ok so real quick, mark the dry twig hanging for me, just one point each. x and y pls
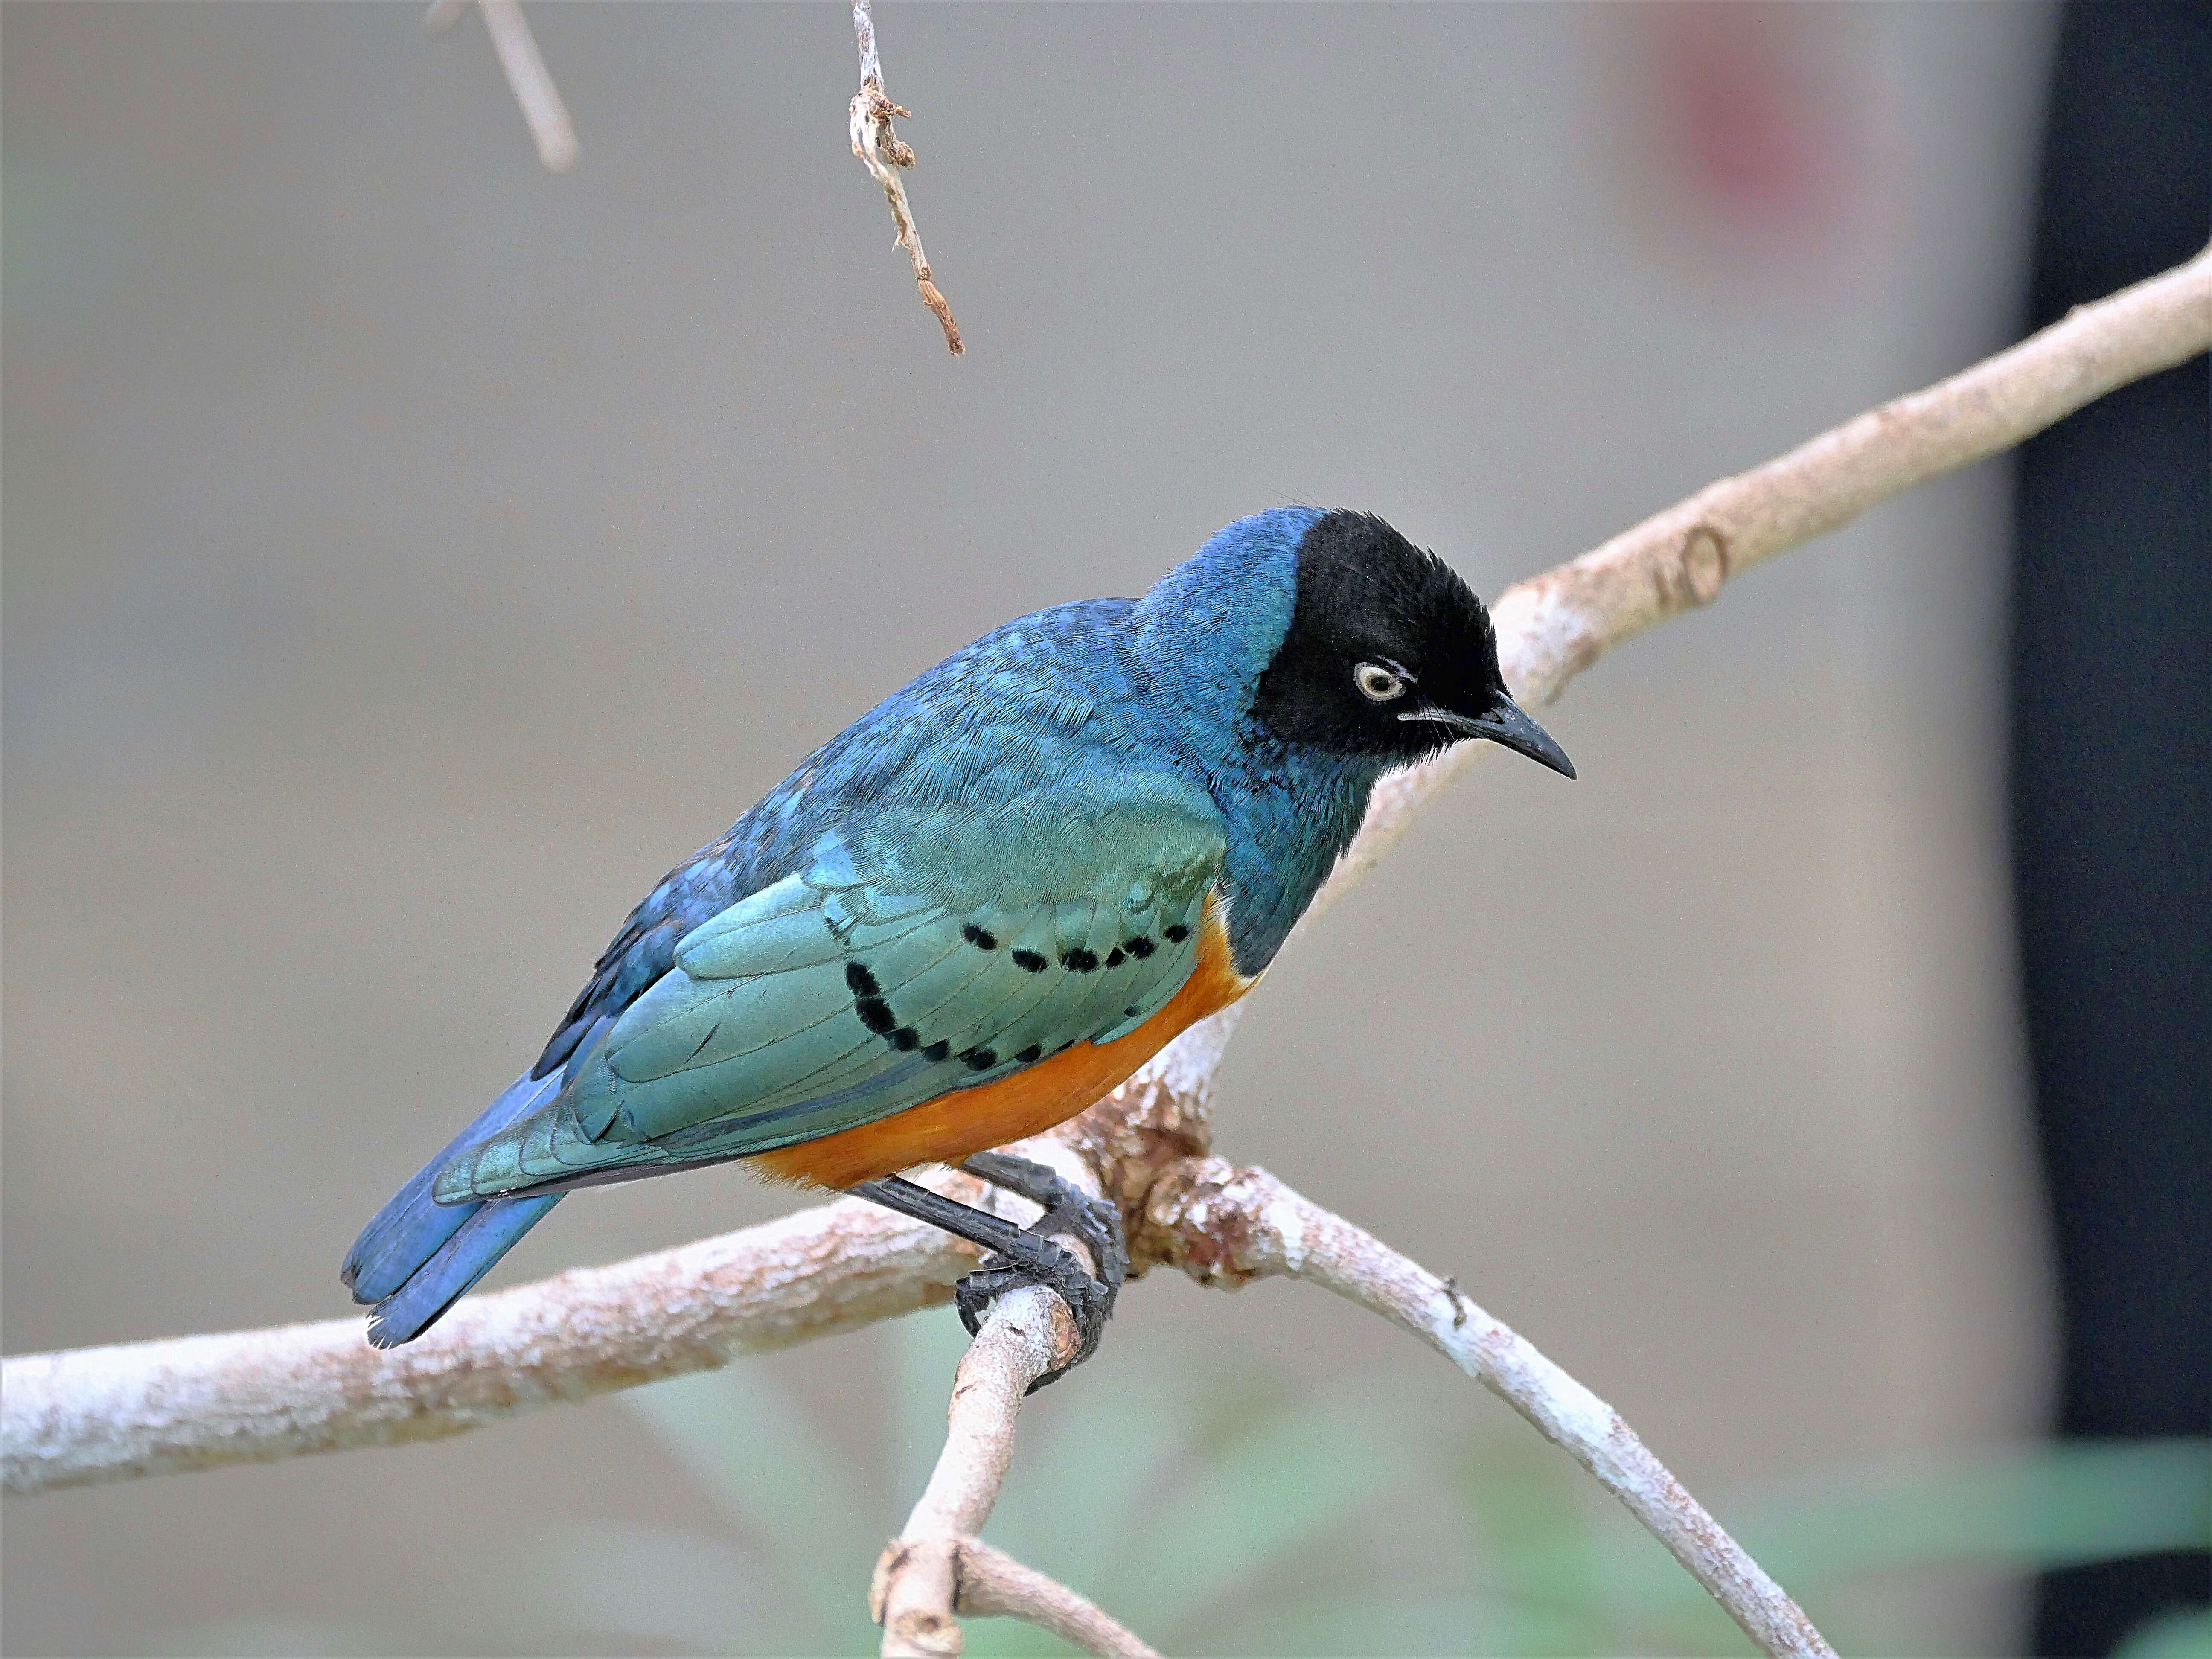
(880, 149)
(885, 154)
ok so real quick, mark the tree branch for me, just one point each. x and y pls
(939, 1566)
(917, 1580)
(90, 1415)
(885, 153)
(1225, 1226)
(1551, 627)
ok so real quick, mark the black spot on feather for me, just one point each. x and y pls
(1028, 962)
(1032, 1053)
(980, 1059)
(1117, 959)
(1176, 934)
(905, 1038)
(982, 938)
(937, 1051)
(1079, 960)
(1141, 946)
(859, 982)
(876, 1014)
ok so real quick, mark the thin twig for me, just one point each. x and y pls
(527, 77)
(993, 1583)
(1225, 1226)
(91, 1415)
(885, 154)
(195, 1402)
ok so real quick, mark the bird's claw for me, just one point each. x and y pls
(1088, 1300)
(1037, 1259)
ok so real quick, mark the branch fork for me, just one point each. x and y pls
(938, 1567)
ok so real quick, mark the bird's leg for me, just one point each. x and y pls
(1068, 1210)
(1018, 1257)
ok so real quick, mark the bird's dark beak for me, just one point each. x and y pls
(1504, 724)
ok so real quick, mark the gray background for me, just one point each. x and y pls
(410, 555)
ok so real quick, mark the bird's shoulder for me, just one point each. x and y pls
(1034, 694)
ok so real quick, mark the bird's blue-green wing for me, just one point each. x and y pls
(927, 949)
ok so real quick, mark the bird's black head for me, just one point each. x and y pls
(1388, 654)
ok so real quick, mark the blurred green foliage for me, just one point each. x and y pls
(1215, 1515)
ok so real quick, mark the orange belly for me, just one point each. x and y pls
(951, 1127)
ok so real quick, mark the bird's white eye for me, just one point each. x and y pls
(1377, 683)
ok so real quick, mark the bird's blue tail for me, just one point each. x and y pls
(418, 1257)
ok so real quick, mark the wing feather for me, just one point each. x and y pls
(861, 986)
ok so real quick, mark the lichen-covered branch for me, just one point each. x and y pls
(883, 152)
(1225, 1226)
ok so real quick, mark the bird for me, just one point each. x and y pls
(981, 907)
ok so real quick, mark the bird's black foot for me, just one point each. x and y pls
(1068, 1211)
(1095, 1222)
(1025, 1255)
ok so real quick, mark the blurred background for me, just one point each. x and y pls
(411, 553)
